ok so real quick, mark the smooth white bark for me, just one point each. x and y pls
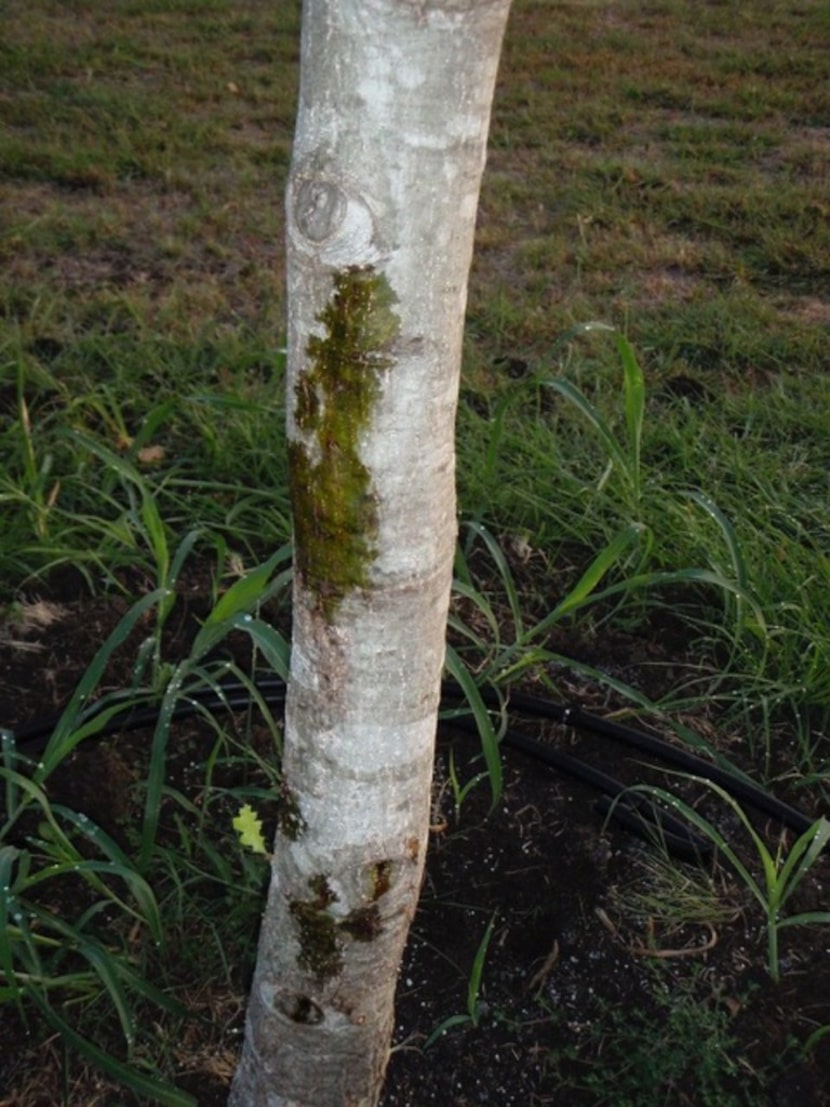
(390, 145)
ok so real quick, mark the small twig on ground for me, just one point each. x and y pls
(539, 978)
(640, 950)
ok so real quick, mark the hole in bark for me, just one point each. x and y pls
(300, 1009)
(380, 879)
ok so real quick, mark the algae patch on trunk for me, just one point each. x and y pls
(333, 503)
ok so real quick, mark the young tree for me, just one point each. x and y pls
(389, 150)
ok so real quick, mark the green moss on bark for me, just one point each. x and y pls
(334, 506)
(320, 947)
(363, 924)
(321, 934)
(289, 816)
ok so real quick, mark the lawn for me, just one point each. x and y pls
(644, 534)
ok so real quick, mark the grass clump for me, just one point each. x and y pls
(682, 1046)
(102, 925)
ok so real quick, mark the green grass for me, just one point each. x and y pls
(759, 456)
(131, 922)
(691, 171)
(658, 167)
(782, 871)
(640, 1058)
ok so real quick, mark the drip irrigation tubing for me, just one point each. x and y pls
(738, 785)
(630, 810)
(634, 812)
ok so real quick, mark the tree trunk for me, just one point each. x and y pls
(391, 135)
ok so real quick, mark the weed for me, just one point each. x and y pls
(44, 955)
(51, 962)
(782, 870)
(628, 554)
(625, 457)
(641, 1058)
(476, 1008)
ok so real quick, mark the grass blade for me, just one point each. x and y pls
(474, 984)
(274, 647)
(105, 969)
(8, 858)
(582, 591)
(120, 866)
(587, 409)
(245, 593)
(58, 745)
(729, 535)
(486, 731)
(504, 571)
(635, 403)
(144, 1086)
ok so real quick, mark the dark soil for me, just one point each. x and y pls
(611, 977)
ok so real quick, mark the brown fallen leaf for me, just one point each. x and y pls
(149, 454)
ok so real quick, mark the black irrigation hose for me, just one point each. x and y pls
(738, 786)
(634, 812)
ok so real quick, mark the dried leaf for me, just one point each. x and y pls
(149, 454)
